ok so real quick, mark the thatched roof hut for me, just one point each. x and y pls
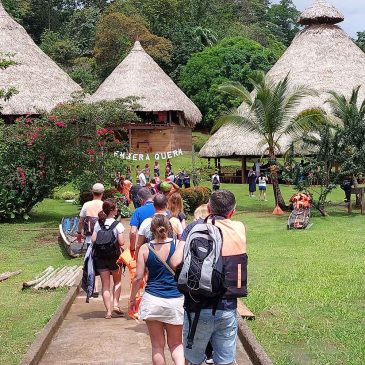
(139, 75)
(322, 56)
(40, 83)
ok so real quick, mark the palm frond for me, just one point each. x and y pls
(237, 90)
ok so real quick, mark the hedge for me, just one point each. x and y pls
(195, 196)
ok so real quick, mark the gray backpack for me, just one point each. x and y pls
(202, 276)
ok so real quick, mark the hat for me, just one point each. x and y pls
(98, 188)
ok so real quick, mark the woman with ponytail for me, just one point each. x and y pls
(105, 257)
(162, 303)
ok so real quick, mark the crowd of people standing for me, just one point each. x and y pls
(159, 240)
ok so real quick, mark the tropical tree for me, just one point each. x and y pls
(271, 111)
(349, 115)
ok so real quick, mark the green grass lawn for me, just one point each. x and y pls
(31, 249)
(305, 287)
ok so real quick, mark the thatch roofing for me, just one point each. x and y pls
(322, 57)
(40, 83)
(139, 75)
(321, 12)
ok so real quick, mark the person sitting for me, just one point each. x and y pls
(162, 304)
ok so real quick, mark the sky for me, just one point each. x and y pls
(353, 10)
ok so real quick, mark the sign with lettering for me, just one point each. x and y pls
(148, 156)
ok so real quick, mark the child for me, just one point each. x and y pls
(262, 186)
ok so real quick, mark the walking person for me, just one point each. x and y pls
(107, 245)
(142, 178)
(217, 319)
(262, 186)
(175, 206)
(146, 210)
(156, 169)
(147, 172)
(162, 304)
(252, 178)
(89, 214)
(133, 193)
(216, 182)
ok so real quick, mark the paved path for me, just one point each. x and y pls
(85, 337)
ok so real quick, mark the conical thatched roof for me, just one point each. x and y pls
(40, 83)
(139, 75)
(322, 57)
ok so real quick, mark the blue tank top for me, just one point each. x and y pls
(160, 282)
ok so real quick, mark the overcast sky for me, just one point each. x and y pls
(353, 10)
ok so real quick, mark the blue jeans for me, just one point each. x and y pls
(220, 329)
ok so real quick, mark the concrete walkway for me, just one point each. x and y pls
(85, 337)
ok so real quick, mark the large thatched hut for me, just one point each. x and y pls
(40, 83)
(323, 57)
(168, 115)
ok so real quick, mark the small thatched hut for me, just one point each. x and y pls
(323, 57)
(168, 114)
(40, 83)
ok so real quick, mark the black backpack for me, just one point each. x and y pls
(106, 242)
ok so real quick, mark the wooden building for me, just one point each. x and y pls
(167, 114)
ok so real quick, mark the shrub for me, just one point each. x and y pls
(195, 196)
(68, 195)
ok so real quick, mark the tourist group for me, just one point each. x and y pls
(190, 274)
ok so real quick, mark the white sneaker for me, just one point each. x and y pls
(209, 361)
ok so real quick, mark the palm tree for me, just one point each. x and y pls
(349, 116)
(271, 112)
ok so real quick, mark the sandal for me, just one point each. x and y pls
(108, 316)
(118, 311)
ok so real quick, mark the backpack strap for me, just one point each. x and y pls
(112, 226)
(193, 324)
(168, 267)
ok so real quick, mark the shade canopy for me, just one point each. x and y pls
(139, 75)
(322, 57)
(40, 82)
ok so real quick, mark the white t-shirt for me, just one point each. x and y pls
(215, 177)
(119, 229)
(142, 179)
(145, 228)
(262, 181)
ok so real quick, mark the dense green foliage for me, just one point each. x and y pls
(195, 197)
(231, 59)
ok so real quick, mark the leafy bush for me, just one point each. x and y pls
(195, 196)
(68, 195)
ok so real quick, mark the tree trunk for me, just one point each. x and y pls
(279, 200)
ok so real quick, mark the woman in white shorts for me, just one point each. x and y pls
(162, 303)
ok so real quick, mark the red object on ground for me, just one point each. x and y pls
(277, 211)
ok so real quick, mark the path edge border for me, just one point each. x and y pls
(39, 346)
(254, 350)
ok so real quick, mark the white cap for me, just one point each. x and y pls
(98, 188)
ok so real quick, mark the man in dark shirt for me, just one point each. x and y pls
(134, 195)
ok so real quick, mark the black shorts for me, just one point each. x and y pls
(106, 264)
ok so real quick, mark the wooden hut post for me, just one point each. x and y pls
(243, 168)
